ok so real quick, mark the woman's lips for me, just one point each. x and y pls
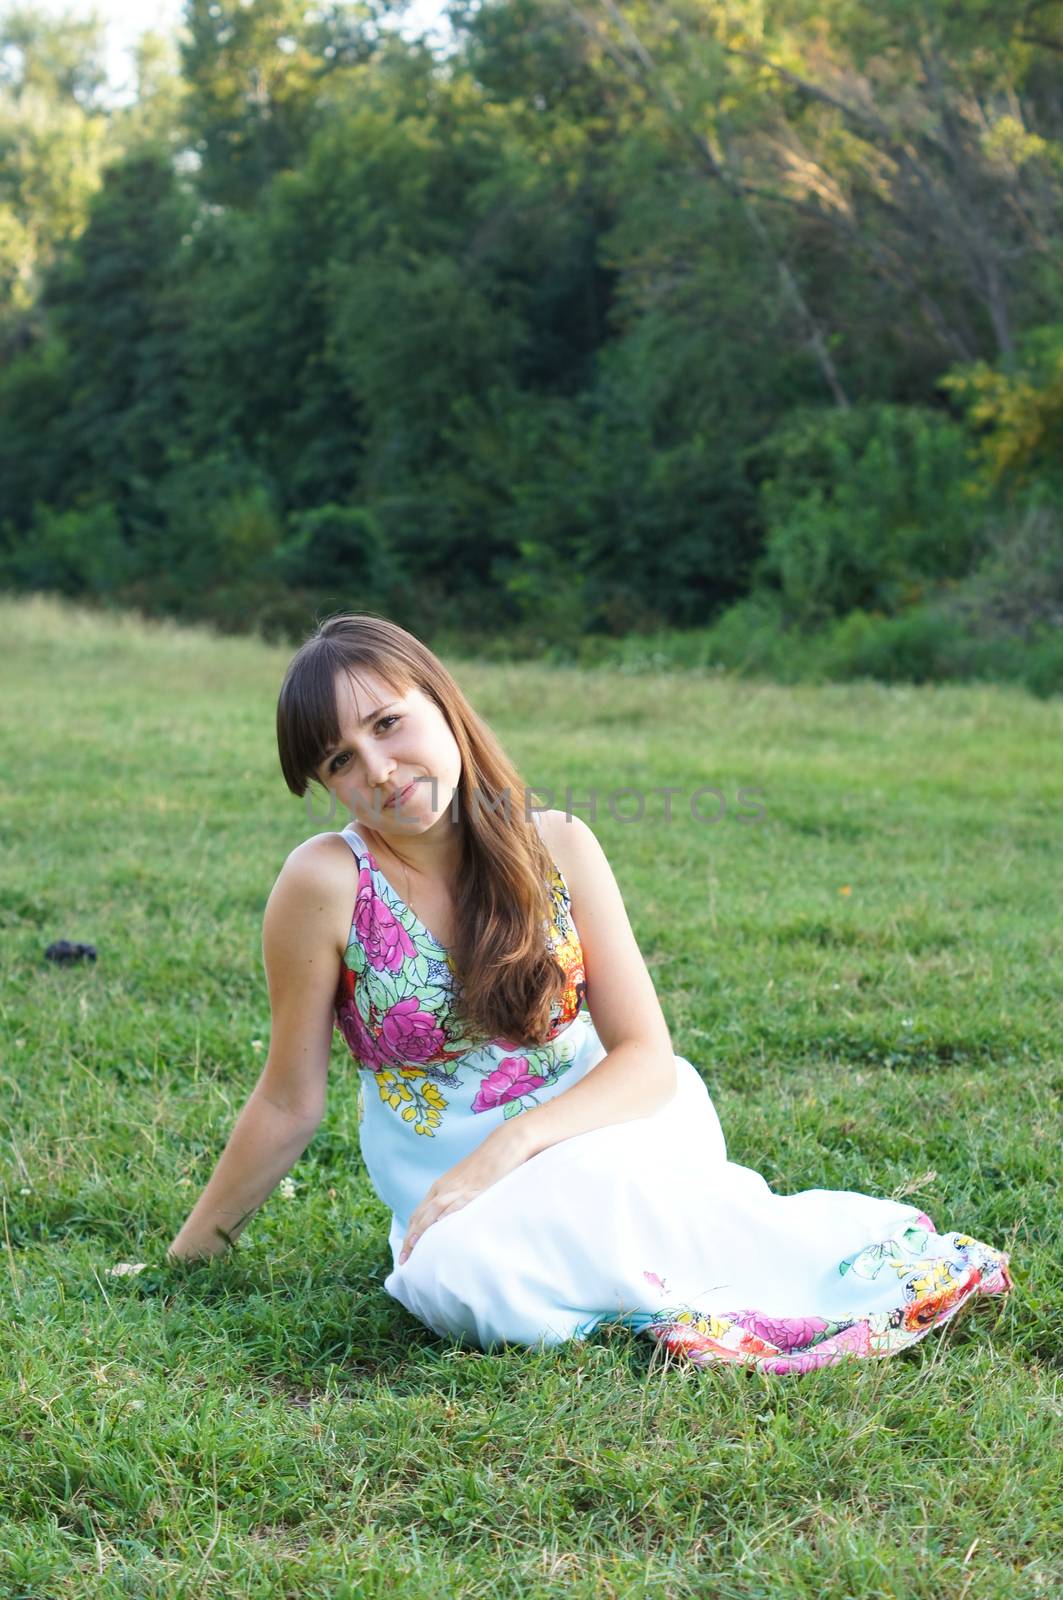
(397, 799)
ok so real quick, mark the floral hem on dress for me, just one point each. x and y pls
(939, 1274)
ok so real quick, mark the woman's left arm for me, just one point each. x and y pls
(637, 1074)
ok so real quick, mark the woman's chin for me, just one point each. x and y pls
(392, 820)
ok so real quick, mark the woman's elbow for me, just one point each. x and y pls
(305, 1110)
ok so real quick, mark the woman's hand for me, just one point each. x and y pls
(502, 1151)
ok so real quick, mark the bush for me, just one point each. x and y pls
(1017, 589)
(925, 645)
(337, 545)
(1043, 663)
(920, 647)
(75, 552)
(551, 597)
(752, 636)
(928, 645)
(864, 510)
(205, 525)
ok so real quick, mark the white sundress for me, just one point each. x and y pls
(643, 1222)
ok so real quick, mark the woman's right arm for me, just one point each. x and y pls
(306, 920)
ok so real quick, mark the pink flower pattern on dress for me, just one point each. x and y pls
(394, 1007)
(409, 1033)
(383, 938)
(357, 1036)
(510, 1079)
(786, 1333)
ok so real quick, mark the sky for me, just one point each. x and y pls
(127, 19)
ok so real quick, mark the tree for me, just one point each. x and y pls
(53, 136)
(115, 301)
(255, 84)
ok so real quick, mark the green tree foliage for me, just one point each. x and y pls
(52, 141)
(618, 316)
(257, 79)
(1018, 412)
(116, 305)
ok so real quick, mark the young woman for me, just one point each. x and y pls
(549, 1162)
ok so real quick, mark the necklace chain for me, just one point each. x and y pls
(405, 874)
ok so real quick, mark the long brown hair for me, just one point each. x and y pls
(506, 979)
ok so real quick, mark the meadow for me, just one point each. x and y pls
(867, 979)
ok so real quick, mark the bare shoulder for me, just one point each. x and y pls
(317, 884)
(323, 861)
(577, 850)
(321, 848)
(571, 843)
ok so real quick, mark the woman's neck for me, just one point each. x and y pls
(434, 855)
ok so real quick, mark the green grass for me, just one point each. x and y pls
(274, 1424)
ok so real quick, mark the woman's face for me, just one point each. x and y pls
(392, 743)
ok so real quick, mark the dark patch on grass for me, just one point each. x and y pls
(853, 1049)
(842, 830)
(852, 936)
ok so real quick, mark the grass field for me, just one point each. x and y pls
(868, 981)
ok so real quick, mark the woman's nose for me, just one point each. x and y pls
(378, 769)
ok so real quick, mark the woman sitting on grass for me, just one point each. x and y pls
(549, 1162)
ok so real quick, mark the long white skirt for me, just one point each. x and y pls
(648, 1223)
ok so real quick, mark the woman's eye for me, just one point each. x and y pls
(334, 764)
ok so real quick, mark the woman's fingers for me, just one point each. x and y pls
(419, 1225)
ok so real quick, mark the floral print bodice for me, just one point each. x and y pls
(425, 1080)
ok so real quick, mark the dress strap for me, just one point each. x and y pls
(355, 840)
